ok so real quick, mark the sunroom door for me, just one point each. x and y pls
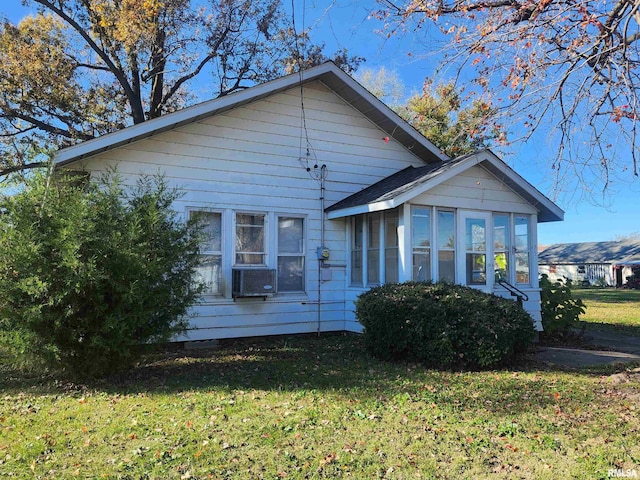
(475, 267)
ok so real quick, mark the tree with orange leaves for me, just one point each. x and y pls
(82, 68)
(567, 66)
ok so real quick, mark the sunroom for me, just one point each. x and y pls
(471, 221)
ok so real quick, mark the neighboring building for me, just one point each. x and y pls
(313, 191)
(595, 263)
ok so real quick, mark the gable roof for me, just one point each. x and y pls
(591, 252)
(338, 81)
(406, 184)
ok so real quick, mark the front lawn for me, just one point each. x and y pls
(611, 308)
(307, 407)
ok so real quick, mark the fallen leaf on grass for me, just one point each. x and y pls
(328, 459)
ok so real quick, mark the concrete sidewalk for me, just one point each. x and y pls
(616, 348)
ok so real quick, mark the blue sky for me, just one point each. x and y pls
(346, 23)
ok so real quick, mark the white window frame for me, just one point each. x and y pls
(528, 251)
(265, 240)
(430, 249)
(460, 272)
(303, 254)
(191, 211)
(438, 248)
(380, 265)
(508, 248)
(386, 248)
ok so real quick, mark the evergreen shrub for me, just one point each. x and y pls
(90, 273)
(443, 325)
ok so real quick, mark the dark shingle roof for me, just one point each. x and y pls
(591, 252)
(395, 185)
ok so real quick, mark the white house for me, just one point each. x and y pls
(597, 263)
(313, 191)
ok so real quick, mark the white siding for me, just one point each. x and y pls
(254, 158)
(475, 189)
(594, 273)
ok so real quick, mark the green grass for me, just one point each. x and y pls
(611, 309)
(307, 407)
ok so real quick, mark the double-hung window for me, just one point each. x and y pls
(209, 272)
(291, 254)
(250, 239)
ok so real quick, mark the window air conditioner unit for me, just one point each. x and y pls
(253, 282)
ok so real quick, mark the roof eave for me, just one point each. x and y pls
(547, 210)
(341, 83)
(365, 208)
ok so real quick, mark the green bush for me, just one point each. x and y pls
(442, 325)
(90, 274)
(560, 310)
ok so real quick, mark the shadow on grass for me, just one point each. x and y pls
(608, 295)
(625, 329)
(334, 363)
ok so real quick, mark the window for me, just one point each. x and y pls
(210, 270)
(356, 250)
(291, 254)
(373, 249)
(522, 250)
(391, 246)
(501, 244)
(582, 269)
(421, 242)
(476, 250)
(380, 262)
(250, 239)
(446, 247)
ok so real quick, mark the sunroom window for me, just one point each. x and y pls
(446, 246)
(357, 241)
(522, 250)
(501, 247)
(391, 246)
(374, 248)
(421, 242)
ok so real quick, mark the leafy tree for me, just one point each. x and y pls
(83, 68)
(440, 112)
(559, 308)
(90, 273)
(384, 84)
(551, 64)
